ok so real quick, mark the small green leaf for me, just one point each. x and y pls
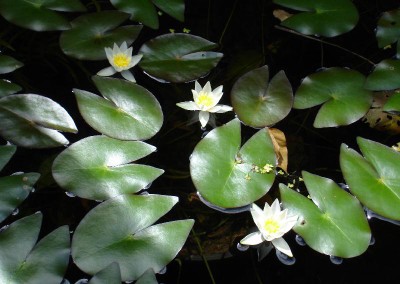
(30, 120)
(225, 174)
(91, 33)
(39, 15)
(174, 8)
(127, 112)
(385, 76)
(99, 168)
(6, 152)
(321, 17)
(393, 103)
(24, 262)
(259, 103)
(14, 190)
(333, 223)
(132, 241)
(375, 178)
(8, 64)
(142, 11)
(109, 275)
(388, 30)
(8, 88)
(342, 93)
(178, 57)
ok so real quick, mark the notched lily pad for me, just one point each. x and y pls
(388, 30)
(178, 57)
(91, 33)
(385, 76)
(8, 64)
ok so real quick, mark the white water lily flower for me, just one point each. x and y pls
(121, 60)
(205, 101)
(272, 224)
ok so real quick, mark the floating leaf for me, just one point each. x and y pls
(333, 223)
(385, 76)
(91, 33)
(321, 17)
(388, 30)
(147, 278)
(109, 275)
(375, 178)
(342, 92)
(14, 190)
(131, 241)
(259, 103)
(178, 57)
(21, 261)
(6, 152)
(98, 168)
(393, 103)
(8, 88)
(39, 15)
(8, 64)
(128, 112)
(30, 120)
(229, 176)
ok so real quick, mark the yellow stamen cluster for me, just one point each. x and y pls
(271, 226)
(204, 99)
(121, 60)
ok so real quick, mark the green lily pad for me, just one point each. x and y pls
(98, 167)
(388, 30)
(6, 152)
(258, 103)
(342, 93)
(393, 103)
(145, 12)
(91, 33)
(109, 275)
(375, 178)
(333, 223)
(321, 17)
(8, 64)
(24, 262)
(8, 88)
(223, 172)
(178, 57)
(14, 190)
(132, 241)
(385, 76)
(127, 112)
(40, 15)
(30, 120)
(147, 278)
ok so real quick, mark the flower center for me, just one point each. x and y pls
(271, 226)
(205, 100)
(121, 60)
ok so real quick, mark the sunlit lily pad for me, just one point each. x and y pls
(388, 30)
(333, 223)
(324, 17)
(259, 103)
(393, 103)
(132, 240)
(99, 167)
(109, 275)
(33, 121)
(375, 178)
(147, 278)
(91, 33)
(342, 93)
(385, 76)
(8, 88)
(128, 111)
(24, 261)
(8, 64)
(146, 13)
(227, 175)
(40, 15)
(178, 57)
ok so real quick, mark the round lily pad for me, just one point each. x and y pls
(259, 103)
(91, 33)
(230, 176)
(388, 30)
(385, 76)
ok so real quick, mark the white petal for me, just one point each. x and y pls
(195, 94)
(220, 108)
(203, 118)
(135, 60)
(252, 239)
(276, 208)
(123, 47)
(258, 216)
(197, 87)
(109, 53)
(115, 48)
(207, 88)
(107, 71)
(128, 52)
(128, 76)
(218, 89)
(188, 105)
(281, 245)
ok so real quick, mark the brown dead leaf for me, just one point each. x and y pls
(281, 14)
(279, 141)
